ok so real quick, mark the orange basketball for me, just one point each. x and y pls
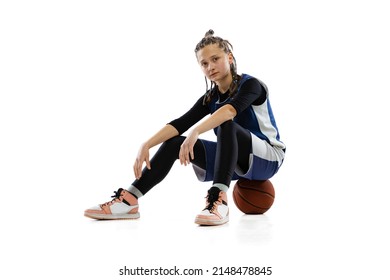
(253, 197)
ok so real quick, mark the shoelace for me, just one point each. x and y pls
(212, 198)
(116, 196)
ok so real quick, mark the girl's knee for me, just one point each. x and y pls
(227, 127)
(173, 144)
(227, 124)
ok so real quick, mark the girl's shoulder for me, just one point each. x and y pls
(246, 77)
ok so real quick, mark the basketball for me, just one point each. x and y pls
(253, 197)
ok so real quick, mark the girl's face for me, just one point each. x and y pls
(215, 63)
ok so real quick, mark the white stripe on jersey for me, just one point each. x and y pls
(266, 127)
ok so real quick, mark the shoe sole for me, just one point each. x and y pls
(112, 217)
(206, 222)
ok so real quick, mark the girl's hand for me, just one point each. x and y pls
(186, 153)
(143, 156)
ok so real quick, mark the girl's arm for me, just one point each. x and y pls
(165, 133)
(174, 128)
(223, 114)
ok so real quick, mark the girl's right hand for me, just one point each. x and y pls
(143, 156)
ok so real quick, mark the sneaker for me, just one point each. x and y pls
(216, 211)
(123, 206)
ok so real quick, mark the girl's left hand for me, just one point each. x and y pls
(186, 153)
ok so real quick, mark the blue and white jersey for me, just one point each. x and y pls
(258, 119)
(254, 113)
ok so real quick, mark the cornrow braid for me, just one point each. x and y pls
(224, 45)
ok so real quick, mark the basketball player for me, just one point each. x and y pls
(247, 139)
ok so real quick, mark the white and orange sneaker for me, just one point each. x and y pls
(216, 211)
(123, 206)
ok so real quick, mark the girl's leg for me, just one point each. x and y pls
(234, 144)
(124, 204)
(233, 148)
(162, 162)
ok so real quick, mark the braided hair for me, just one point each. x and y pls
(224, 45)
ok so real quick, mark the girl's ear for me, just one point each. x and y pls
(231, 58)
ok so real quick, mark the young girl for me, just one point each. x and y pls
(247, 145)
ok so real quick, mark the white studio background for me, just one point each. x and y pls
(83, 83)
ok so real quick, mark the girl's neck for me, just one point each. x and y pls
(224, 85)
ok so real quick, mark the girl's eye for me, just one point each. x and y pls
(215, 59)
(204, 64)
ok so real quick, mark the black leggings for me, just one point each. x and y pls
(234, 145)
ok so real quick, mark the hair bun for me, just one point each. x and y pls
(209, 33)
